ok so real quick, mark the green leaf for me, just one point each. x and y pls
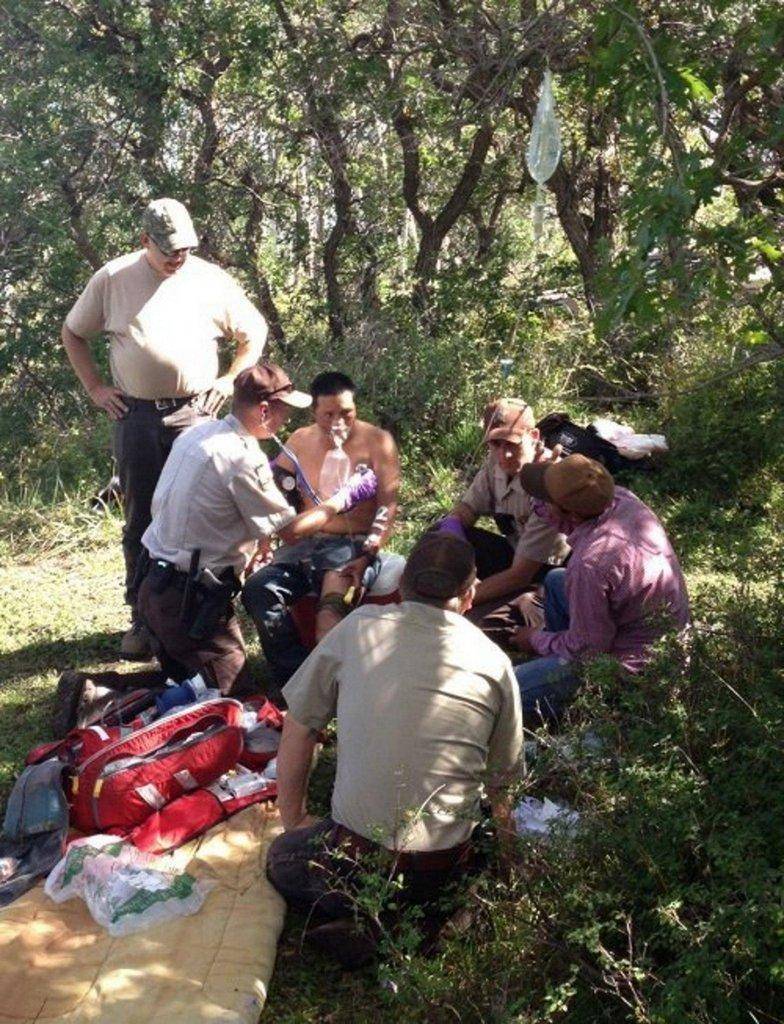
(755, 337)
(699, 90)
(765, 248)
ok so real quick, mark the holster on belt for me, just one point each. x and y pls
(188, 605)
(212, 603)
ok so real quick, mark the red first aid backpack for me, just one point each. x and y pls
(117, 779)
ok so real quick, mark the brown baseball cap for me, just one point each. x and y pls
(266, 381)
(440, 567)
(169, 225)
(508, 419)
(575, 484)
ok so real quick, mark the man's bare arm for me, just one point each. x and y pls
(295, 756)
(294, 443)
(247, 354)
(464, 513)
(310, 521)
(104, 396)
(359, 487)
(387, 466)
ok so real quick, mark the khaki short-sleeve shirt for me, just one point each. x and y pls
(216, 493)
(428, 711)
(493, 492)
(164, 331)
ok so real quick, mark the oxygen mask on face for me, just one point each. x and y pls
(336, 467)
(339, 434)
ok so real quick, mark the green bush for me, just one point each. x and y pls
(666, 907)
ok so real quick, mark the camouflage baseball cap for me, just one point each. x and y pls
(169, 225)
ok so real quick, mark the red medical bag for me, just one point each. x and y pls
(126, 778)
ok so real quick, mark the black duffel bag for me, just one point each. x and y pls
(558, 428)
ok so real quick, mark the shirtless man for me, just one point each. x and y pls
(343, 555)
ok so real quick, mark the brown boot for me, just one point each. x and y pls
(135, 644)
(70, 687)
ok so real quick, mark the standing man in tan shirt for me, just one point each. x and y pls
(164, 310)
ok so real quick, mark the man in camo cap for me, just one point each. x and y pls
(164, 311)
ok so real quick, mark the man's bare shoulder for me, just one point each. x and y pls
(303, 438)
(376, 436)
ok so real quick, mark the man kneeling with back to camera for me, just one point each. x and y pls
(215, 499)
(428, 714)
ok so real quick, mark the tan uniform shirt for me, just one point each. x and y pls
(492, 491)
(215, 493)
(164, 331)
(426, 708)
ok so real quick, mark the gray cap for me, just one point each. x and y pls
(440, 566)
(169, 225)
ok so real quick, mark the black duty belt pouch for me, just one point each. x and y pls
(211, 605)
(160, 575)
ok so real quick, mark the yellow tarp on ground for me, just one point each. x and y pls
(56, 964)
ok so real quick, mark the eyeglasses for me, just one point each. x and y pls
(173, 252)
(285, 390)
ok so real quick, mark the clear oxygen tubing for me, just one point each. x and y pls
(298, 470)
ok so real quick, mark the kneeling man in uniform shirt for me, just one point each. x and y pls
(215, 500)
(428, 720)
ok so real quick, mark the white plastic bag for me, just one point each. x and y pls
(629, 444)
(544, 147)
(538, 817)
(125, 889)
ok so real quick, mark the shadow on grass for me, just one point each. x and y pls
(57, 655)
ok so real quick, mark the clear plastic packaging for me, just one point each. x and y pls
(534, 817)
(544, 147)
(336, 467)
(243, 782)
(125, 889)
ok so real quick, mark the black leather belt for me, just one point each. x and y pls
(164, 404)
(170, 575)
(459, 856)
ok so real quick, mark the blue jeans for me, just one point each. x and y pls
(297, 570)
(546, 684)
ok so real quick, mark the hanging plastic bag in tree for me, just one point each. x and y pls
(544, 147)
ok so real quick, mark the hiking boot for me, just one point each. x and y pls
(344, 941)
(70, 687)
(135, 644)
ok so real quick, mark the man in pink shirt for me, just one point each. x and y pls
(621, 591)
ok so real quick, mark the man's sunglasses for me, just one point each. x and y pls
(285, 390)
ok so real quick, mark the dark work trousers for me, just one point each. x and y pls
(493, 553)
(500, 617)
(142, 441)
(220, 659)
(319, 869)
(269, 593)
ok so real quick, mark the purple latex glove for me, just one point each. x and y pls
(360, 486)
(451, 524)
